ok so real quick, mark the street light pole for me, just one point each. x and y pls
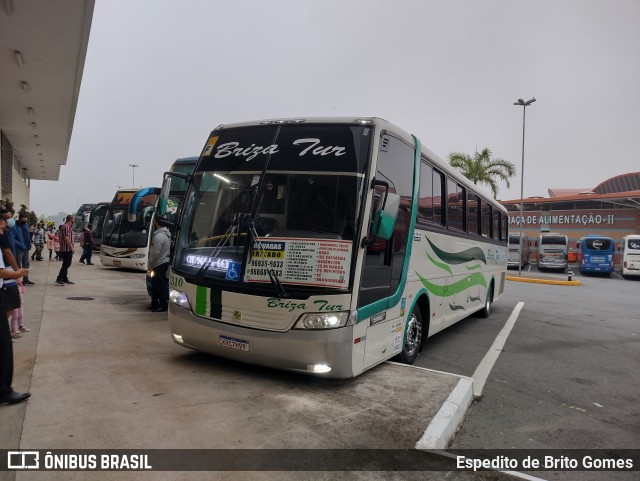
(133, 175)
(524, 105)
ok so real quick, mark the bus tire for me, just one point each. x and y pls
(413, 338)
(486, 310)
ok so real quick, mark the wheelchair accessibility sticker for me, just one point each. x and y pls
(233, 271)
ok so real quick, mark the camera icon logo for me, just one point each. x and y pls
(23, 460)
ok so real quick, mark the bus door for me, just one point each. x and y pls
(385, 247)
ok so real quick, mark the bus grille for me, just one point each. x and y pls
(271, 321)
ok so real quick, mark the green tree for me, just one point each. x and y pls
(6, 204)
(483, 169)
(32, 218)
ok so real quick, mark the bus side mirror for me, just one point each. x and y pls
(577, 245)
(132, 213)
(167, 208)
(384, 220)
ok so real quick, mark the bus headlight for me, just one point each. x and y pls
(179, 298)
(322, 320)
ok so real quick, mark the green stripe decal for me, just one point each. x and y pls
(216, 304)
(440, 264)
(475, 279)
(473, 268)
(473, 254)
(201, 300)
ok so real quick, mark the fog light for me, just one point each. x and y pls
(319, 368)
(177, 338)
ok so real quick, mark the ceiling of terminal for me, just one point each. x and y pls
(43, 48)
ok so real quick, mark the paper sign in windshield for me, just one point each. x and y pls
(306, 262)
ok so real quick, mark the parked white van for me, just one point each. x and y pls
(631, 256)
(552, 251)
(513, 260)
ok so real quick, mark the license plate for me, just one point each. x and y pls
(117, 263)
(234, 343)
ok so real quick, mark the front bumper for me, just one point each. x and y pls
(293, 350)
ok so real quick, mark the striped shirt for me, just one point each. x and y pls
(66, 231)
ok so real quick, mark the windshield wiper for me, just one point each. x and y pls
(254, 238)
(216, 250)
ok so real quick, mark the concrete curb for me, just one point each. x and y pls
(544, 281)
(445, 424)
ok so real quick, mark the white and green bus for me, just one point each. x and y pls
(327, 246)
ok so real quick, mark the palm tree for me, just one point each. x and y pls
(481, 168)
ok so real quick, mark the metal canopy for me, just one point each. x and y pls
(43, 45)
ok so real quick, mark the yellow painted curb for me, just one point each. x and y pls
(544, 281)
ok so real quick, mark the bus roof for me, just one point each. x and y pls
(185, 160)
(595, 236)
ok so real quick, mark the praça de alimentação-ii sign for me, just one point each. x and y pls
(567, 219)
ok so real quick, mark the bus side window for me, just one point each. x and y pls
(486, 219)
(473, 211)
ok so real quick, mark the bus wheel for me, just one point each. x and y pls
(413, 338)
(486, 310)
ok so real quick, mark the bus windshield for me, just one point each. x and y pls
(275, 199)
(553, 239)
(514, 239)
(633, 244)
(119, 232)
(598, 244)
(97, 220)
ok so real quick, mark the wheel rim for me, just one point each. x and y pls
(414, 335)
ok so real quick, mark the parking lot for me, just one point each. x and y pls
(567, 377)
(106, 375)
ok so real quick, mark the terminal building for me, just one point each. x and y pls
(42, 54)
(610, 209)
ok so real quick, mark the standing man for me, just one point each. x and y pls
(66, 251)
(22, 240)
(158, 266)
(38, 241)
(86, 241)
(7, 394)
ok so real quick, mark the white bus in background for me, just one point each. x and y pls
(327, 246)
(127, 229)
(517, 257)
(553, 250)
(631, 256)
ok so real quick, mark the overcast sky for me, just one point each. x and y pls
(160, 75)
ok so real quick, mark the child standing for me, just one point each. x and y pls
(50, 241)
(56, 245)
(17, 319)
